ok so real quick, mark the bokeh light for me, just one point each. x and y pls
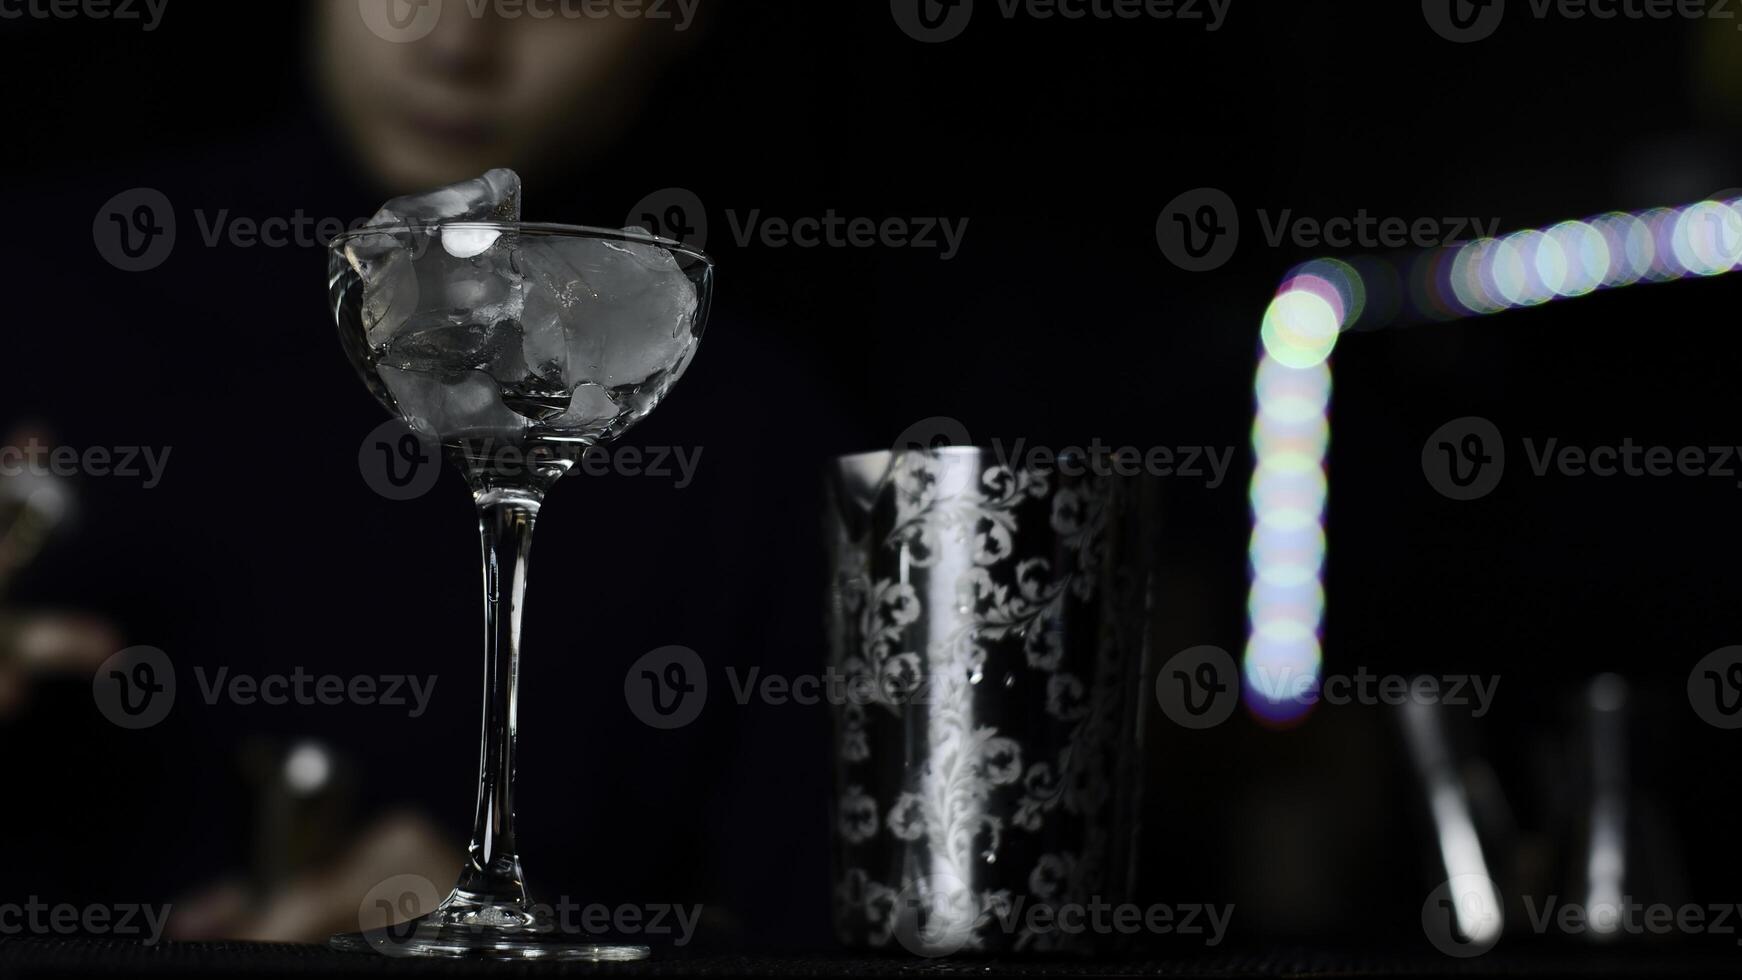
(1300, 327)
(1287, 552)
(1318, 300)
(1574, 258)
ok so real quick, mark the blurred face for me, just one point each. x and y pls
(434, 91)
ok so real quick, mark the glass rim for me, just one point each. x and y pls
(530, 228)
(945, 452)
(871, 455)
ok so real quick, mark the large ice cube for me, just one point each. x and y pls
(480, 332)
(485, 287)
(390, 294)
(589, 407)
(602, 312)
(444, 343)
(400, 281)
(452, 405)
(492, 197)
(411, 290)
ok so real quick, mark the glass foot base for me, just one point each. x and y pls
(432, 936)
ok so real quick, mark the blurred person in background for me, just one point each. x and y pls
(536, 93)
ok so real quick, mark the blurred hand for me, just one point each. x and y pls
(322, 903)
(37, 644)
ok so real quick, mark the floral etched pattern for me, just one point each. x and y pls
(997, 575)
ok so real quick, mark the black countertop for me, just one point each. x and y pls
(65, 956)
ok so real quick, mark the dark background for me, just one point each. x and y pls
(1060, 321)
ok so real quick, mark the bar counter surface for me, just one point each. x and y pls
(67, 956)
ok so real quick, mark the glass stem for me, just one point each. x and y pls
(492, 876)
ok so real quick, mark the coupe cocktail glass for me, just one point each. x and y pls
(517, 347)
